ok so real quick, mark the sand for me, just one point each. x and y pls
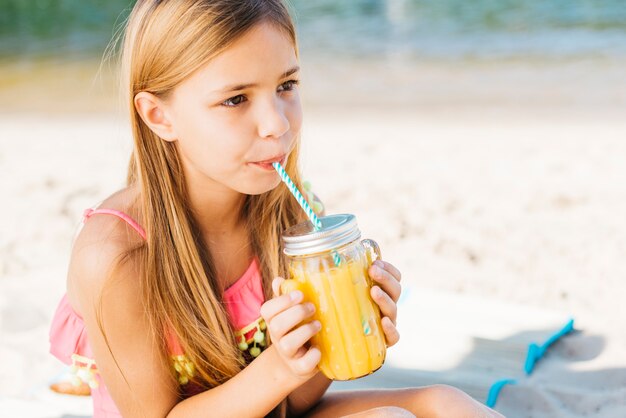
(502, 208)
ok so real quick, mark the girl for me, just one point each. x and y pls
(170, 273)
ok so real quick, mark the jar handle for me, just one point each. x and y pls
(372, 249)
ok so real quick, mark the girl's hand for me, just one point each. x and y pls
(283, 314)
(386, 295)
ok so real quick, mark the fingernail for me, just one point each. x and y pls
(317, 324)
(295, 295)
(379, 263)
(376, 269)
(310, 307)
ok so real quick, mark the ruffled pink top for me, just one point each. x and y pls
(69, 341)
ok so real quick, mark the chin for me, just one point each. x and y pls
(261, 187)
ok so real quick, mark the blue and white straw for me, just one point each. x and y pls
(294, 191)
(317, 224)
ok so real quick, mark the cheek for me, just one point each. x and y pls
(211, 139)
(209, 150)
(295, 115)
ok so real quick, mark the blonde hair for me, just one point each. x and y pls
(164, 43)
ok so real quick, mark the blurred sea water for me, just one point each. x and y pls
(390, 53)
(440, 29)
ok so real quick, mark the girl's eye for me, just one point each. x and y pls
(289, 85)
(234, 101)
(237, 100)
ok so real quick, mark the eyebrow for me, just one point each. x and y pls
(237, 87)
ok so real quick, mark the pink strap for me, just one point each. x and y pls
(125, 217)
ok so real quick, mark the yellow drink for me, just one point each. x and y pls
(351, 340)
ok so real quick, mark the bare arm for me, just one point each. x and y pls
(146, 387)
(307, 395)
(265, 383)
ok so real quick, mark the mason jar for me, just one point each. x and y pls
(330, 267)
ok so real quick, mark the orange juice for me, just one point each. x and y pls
(351, 340)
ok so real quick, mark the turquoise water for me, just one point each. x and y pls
(355, 28)
(462, 28)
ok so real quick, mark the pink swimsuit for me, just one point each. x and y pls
(70, 344)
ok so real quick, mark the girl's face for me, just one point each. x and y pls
(240, 109)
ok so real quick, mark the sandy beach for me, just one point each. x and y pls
(497, 189)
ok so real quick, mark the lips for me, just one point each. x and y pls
(267, 164)
(278, 158)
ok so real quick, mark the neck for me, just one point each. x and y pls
(216, 208)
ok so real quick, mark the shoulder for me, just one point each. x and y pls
(99, 226)
(106, 287)
(99, 248)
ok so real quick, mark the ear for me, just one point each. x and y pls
(154, 113)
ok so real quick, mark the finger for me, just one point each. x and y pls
(389, 283)
(391, 332)
(274, 306)
(301, 351)
(285, 321)
(390, 268)
(387, 306)
(292, 342)
(307, 364)
(276, 285)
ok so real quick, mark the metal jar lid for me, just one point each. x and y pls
(337, 230)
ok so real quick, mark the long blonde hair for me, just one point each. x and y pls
(164, 43)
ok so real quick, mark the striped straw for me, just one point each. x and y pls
(294, 191)
(317, 224)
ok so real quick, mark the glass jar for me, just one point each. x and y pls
(330, 267)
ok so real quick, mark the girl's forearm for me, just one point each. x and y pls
(253, 392)
(307, 395)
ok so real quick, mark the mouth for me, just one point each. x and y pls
(267, 164)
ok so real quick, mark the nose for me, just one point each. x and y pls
(272, 119)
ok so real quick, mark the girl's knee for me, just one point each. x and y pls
(383, 412)
(448, 401)
(445, 394)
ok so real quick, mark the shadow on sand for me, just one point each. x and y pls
(556, 388)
